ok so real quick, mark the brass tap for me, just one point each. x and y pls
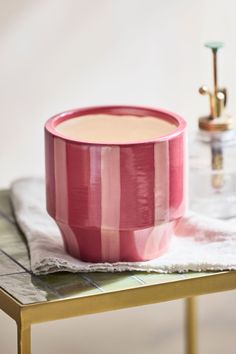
(217, 120)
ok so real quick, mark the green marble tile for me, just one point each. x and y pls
(9, 233)
(156, 278)
(114, 281)
(7, 266)
(13, 243)
(20, 253)
(69, 285)
(26, 288)
(5, 204)
(196, 274)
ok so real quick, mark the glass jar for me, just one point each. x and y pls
(212, 177)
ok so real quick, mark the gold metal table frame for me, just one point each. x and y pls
(30, 299)
(26, 315)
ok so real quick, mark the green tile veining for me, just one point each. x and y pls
(114, 281)
(12, 240)
(155, 278)
(69, 285)
(9, 233)
(190, 275)
(26, 288)
(19, 252)
(8, 266)
(13, 243)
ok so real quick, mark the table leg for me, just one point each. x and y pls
(24, 338)
(191, 325)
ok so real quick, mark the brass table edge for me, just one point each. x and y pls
(10, 305)
(120, 299)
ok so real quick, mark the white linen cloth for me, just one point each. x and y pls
(199, 243)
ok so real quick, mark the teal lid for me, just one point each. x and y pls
(214, 45)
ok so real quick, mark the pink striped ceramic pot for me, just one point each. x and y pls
(116, 202)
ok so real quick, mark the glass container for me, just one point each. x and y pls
(212, 177)
(213, 154)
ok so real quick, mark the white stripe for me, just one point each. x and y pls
(161, 161)
(93, 185)
(110, 189)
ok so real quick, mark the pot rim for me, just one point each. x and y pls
(139, 111)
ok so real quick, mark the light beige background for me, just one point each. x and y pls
(60, 54)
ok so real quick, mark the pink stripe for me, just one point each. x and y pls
(61, 194)
(161, 160)
(71, 242)
(137, 186)
(110, 188)
(145, 244)
(78, 167)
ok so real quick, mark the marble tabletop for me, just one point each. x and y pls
(17, 279)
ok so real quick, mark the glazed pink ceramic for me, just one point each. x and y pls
(116, 202)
